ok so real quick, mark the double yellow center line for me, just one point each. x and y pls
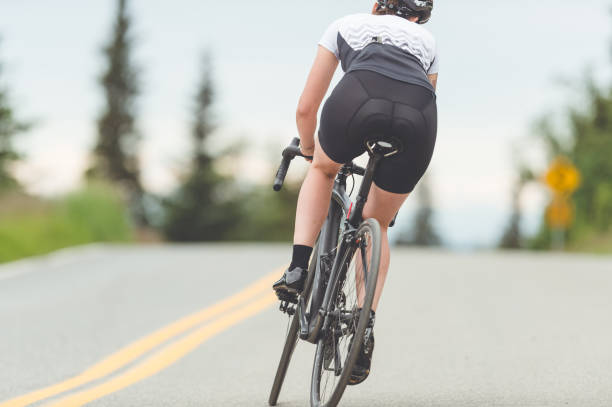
(209, 322)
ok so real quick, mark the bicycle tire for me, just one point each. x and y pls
(292, 336)
(371, 227)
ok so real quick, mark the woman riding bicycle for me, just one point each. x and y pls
(387, 93)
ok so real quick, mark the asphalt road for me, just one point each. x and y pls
(174, 326)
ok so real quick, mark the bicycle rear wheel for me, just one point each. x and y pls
(348, 317)
(292, 334)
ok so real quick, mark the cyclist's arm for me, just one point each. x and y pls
(318, 81)
(433, 79)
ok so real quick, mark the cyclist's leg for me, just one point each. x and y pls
(333, 145)
(382, 206)
(315, 194)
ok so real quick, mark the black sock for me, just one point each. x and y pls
(301, 256)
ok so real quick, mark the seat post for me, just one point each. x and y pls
(357, 212)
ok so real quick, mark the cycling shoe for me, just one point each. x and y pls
(291, 284)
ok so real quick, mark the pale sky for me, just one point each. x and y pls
(501, 64)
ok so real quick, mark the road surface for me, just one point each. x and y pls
(198, 326)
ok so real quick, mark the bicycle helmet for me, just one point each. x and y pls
(407, 8)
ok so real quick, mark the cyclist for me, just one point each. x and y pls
(387, 92)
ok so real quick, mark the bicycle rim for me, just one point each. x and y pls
(355, 288)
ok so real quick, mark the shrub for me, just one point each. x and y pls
(94, 214)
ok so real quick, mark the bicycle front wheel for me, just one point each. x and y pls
(339, 345)
(292, 335)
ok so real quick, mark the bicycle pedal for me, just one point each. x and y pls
(287, 308)
(290, 311)
(286, 299)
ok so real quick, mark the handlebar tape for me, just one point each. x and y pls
(288, 155)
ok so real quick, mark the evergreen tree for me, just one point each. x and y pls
(200, 210)
(9, 128)
(268, 216)
(422, 232)
(116, 148)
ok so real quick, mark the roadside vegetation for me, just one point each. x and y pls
(30, 226)
(585, 138)
(587, 142)
(114, 206)
(211, 204)
(582, 133)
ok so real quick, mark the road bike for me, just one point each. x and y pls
(333, 310)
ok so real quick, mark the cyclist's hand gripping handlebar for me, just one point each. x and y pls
(289, 153)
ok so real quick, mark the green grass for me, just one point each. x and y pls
(599, 243)
(29, 227)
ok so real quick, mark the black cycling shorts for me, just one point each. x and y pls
(366, 106)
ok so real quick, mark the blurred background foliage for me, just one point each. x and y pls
(113, 206)
(10, 127)
(585, 138)
(204, 208)
(115, 156)
(587, 142)
(30, 226)
(212, 205)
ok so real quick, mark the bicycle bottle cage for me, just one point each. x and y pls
(386, 147)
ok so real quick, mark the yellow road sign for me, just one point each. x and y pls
(560, 213)
(562, 177)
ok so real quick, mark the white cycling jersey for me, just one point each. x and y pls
(387, 44)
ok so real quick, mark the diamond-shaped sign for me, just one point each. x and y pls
(560, 213)
(562, 177)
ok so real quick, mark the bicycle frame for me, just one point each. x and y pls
(332, 245)
(328, 243)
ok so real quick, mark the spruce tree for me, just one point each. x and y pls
(9, 128)
(116, 149)
(200, 209)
